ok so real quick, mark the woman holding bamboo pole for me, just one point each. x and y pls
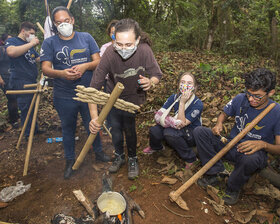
(70, 57)
(130, 61)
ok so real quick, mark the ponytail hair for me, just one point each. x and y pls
(128, 24)
(54, 11)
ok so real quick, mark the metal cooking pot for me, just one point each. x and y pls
(113, 202)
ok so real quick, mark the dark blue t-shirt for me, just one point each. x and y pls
(192, 113)
(265, 130)
(23, 67)
(65, 54)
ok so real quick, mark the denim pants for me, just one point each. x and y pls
(175, 138)
(68, 110)
(123, 121)
(208, 145)
(12, 100)
(23, 102)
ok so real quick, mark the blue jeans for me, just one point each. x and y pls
(175, 138)
(208, 145)
(123, 121)
(23, 101)
(12, 100)
(68, 110)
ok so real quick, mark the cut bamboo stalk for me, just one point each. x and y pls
(40, 27)
(26, 120)
(69, 4)
(31, 134)
(175, 195)
(29, 91)
(30, 85)
(107, 130)
(101, 118)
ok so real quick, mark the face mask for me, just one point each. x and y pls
(184, 87)
(30, 37)
(126, 53)
(113, 37)
(65, 29)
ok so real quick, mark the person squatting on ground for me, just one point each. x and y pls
(129, 60)
(73, 55)
(250, 153)
(4, 82)
(177, 130)
(23, 68)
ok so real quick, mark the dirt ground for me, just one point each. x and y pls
(50, 194)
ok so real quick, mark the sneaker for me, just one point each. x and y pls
(148, 150)
(117, 163)
(133, 168)
(208, 180)
(102, 157)
(231, 197)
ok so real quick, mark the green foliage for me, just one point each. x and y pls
(133, 187)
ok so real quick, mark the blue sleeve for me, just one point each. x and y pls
(11, 42)
(46, 53)
(93, 47)
(195, 111)
(233, 106)
(169, 101)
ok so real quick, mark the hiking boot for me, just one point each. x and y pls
(133, 168)
(68, 168)
(231, 197)
(117, 163)
(208, 180)
(102, 157)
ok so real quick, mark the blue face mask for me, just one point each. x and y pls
(113, 37)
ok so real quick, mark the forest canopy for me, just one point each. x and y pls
(245, 27)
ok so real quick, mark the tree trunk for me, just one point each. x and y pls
(212, 27)
(274, 37)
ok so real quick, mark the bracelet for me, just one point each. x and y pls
(152, 83)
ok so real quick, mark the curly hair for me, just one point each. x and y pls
(260, 78)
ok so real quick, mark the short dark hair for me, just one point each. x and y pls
(260, 78)
(4, 37)
(130, 24)
(110, 25)
(27, 26)
(57, 9)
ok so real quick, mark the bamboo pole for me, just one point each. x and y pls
(30, 139)
(175, 195)
(30, 85)
(40, 27)
(26, 120)
(107, 130)
(101, 118)
(69, 4)
(29, 91)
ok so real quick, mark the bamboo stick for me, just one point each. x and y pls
(101, 118)
(30, 139)
(26, 120)
(29, 91)
(30, 85)
(85, 202)
(69, 4)
(175, 195)
(107, 130)
(40, 27)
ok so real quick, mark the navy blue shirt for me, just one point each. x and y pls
(192, 113)
(265, 130)
(65, 54)
(23, 67)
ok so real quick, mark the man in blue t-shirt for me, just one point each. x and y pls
(23, 67)
(250, 153)
(70, 57)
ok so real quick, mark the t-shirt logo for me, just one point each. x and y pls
(68, 58)
(30, 57)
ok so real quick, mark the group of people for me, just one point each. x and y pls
(73, 58)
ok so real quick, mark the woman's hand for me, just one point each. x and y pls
(145, 83)
(94, 127)
(186, 96)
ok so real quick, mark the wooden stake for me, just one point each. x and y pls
(26, 120)
(31, 134)
(40, 27)
(175, 195)
(85, 202)
(101, 118)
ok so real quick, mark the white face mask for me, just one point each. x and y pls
(126, 53)
(65, 29)
(30, 37)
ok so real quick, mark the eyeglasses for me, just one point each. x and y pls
(255, 97)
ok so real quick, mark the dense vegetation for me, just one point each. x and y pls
(246, 27)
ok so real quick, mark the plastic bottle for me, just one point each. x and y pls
(58, 139)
